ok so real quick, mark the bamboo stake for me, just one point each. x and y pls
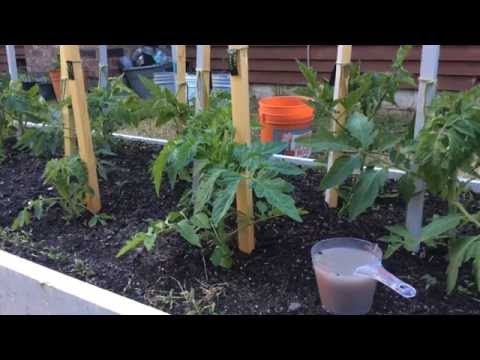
(69, 137)
(241, 122)
(344, 57)
(76, 89)
(203, 77)
(180, 69)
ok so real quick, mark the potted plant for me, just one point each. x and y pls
(55, 77)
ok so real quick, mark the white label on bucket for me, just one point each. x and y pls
(290, 136)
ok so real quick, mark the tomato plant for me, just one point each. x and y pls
(367, 150)
(206, 151)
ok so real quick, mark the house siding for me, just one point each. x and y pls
(275, 65)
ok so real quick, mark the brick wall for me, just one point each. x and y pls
(40, 58)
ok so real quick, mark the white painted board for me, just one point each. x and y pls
(27, 288)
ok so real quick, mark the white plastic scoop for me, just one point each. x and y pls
(377, 271)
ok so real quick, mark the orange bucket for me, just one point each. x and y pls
(286, 119)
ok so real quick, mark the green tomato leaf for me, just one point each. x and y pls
(133, 243)
(262, 207)
(187, 231)
(343, 168)
(205, 189)
(224, 199)
(366, 191)
(270, 190)
(93, 221)
(284, 168)
(159, 166)
(361, 129)
(222, 256)
(200, 220)
(439, 226)
(476, 266)
(402, 233)
(21, 220)
(394, 243)
(456, 256)
(38, 209)
(149, 241)
(323, 140)
(268, 149)
(406, 187)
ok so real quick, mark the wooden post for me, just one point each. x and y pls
(241, 122)
(426, 91)
(102, 66)
(344, 57)
(69, 137)
(76, 89)
(180, 69)
(203, 77)
(12, 62)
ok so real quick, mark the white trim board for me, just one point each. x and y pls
(393, 174)
(27, 288)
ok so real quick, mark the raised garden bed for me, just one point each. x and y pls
(276, 279)
(31, 289)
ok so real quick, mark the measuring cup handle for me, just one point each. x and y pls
(396, 284)
(380, 274)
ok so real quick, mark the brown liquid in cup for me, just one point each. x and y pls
(341, 292)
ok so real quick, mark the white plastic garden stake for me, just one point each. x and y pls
(344, 58)
(12, 62)
(174, 57)
(426, 91)
(203, 77)
(102, 66)
(202, 93)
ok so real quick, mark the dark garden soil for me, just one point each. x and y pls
(276, 279)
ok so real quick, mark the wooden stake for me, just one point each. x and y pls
(241, 122)
(344, 58)
(76, 89)
(203, 77)
(181, 65)
(69, 137)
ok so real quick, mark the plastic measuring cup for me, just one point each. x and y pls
(347, 271)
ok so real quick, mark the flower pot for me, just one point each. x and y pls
(55, 77)
(132, 77)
